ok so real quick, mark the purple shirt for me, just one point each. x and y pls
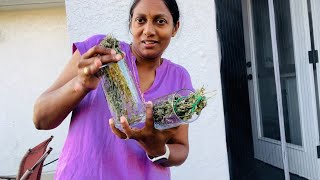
(92, 151)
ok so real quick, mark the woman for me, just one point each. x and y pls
(91, 150)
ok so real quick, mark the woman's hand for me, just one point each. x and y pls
(151, 140)
(72, 85)
(90, 63)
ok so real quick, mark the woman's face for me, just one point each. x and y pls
(152, 28)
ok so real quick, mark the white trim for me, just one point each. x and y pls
(30, 4)
(316, 34)
(24, 2)
(278, 89)
(250, 57)
(291, 146)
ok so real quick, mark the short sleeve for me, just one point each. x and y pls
(84, 46)
(186, 80)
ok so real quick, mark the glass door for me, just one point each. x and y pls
(314, 15)
(282, 100)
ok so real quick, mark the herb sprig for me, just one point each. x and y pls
(116, 86)
(179, 108)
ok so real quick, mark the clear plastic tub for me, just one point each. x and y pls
(175, 109)
(121, 91)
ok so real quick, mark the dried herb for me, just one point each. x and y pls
(117, 88)
(176, 107)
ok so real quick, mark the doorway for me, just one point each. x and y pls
(282, 89)
(252, 127)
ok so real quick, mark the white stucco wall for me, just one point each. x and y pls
(34, 47)
(196, 48)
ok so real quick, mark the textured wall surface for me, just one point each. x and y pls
(34, 48)
(196, 48)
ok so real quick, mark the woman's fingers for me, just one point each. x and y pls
(96, 61)
(149, 115)
(90, 69)
(95, 57)
(105, 55)
(127, 132)
(110, 58)
(116, 131)
(90, 63)
(98, 50)
(131, 133)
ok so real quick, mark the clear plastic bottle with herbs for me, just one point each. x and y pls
(180, 107)
(120, 88)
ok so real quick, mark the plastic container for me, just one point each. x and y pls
(174, 109)
(122, 93)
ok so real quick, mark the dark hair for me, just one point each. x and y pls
(171, 5)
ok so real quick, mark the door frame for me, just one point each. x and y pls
(285, 158)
